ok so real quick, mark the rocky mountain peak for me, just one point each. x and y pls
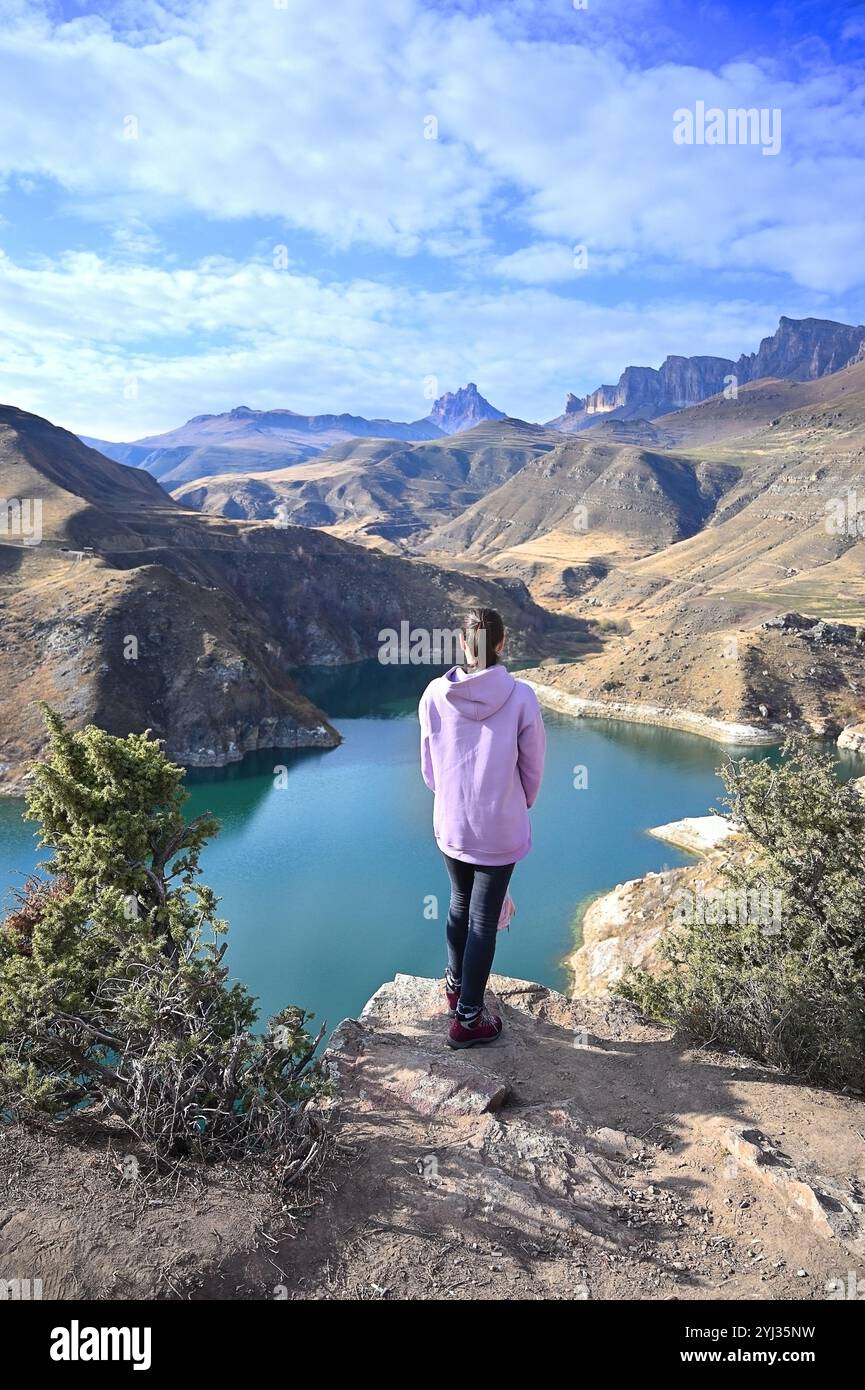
(798, 350)
(802, 350)
(462, 409)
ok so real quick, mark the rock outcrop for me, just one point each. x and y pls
(518, 1152)
(460, 410)
(621, 929)
(835, 1210)
(853, 738)
(586, 1154)
(696, 834)
(646, 392)
(802, 350)
(798, 350)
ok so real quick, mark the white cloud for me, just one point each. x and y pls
(135, 240)
(314, 115)
(314, 118)
(83, 342)
(543, 263)
(302, 114)
(551, 262)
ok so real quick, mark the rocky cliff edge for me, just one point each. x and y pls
(586, 1154)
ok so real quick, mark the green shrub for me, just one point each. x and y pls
(785, 986)
(621, 626)
(113, 991)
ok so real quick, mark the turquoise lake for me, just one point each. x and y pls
(325, 880)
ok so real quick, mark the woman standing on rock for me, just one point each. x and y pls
(482, 754)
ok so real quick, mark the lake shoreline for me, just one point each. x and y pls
(573, 706)
(664, 717)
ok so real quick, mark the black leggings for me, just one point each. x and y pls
(477, 894)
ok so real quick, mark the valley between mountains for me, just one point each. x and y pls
(686, 543)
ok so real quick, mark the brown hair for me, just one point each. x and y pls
(483, 630)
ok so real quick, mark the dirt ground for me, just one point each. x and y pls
(645, 1203)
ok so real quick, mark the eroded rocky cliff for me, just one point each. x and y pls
(798, 350)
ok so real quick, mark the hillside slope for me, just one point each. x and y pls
(757, 618)
(379, 489)
(564, 518)
(740, 685)
(790, 532)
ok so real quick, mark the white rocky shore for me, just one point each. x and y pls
(621, 928)
(853, 738)
(695, 834)
(664, 716)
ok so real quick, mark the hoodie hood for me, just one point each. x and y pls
(480, 695)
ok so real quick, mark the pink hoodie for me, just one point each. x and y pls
(482, 753)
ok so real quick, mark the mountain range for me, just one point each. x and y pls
(377, 489)
(642, 544)
(799, 350)
(243, 440)
(504, 492)
(672, 536)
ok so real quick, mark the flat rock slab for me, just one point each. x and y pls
(430, 1086)
(834, 1213)
(528, 1168)
(382, 1065)
(407, 1002)
(696, 834)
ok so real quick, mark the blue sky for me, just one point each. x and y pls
(211, 204)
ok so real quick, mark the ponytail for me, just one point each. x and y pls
(483, 630)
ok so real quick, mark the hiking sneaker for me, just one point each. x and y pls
(452, 990)
(483, 1028)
